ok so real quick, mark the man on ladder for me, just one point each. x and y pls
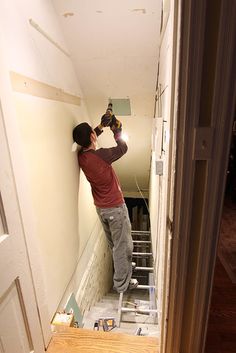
(108, 198)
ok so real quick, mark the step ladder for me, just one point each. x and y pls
(143, 259)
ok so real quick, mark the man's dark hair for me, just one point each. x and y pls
(81, 134)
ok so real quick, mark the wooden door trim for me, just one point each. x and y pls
(223, 104)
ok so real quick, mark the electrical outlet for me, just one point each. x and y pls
(159, 167)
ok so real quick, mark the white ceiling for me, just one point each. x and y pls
(114, 48)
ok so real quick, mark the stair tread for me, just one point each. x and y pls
(128, 303)
(128, 317)
(131, 293)
(137, 321)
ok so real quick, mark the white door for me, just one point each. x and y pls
(20, 330)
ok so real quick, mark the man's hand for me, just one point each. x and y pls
(106, 120)
(115, 125)
(109, 119)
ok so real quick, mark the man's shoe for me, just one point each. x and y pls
(133, 283)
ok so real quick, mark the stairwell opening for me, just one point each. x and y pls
(140, 222)
(135, 311)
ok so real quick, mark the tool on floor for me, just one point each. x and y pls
(96, 325)
(138, 331)
(107, 324)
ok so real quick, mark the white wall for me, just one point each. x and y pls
(46, 171)
(159, 183)
(45, 128)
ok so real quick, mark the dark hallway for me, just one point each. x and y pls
(221, 336)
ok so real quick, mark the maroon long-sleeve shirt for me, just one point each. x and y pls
(96, 165)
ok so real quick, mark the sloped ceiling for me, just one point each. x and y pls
(114, 48)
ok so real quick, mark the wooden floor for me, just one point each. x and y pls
(221, 335)
(89, 341)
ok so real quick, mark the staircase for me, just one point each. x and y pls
(134, 311)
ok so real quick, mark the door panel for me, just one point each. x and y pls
(14, 330)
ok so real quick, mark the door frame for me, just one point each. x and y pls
(174, 16)
(191, 274)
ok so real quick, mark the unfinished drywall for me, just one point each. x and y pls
(74, 253)
(45, 129)
(159, 184)
(57, 210)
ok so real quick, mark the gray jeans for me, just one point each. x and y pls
(117, 227)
